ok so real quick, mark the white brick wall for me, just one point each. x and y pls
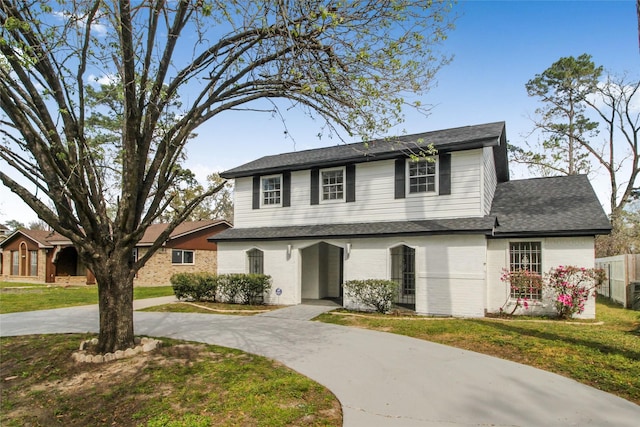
(556, 251)
(449, 269)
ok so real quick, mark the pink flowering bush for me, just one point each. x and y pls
(571, 287)
(523, 284)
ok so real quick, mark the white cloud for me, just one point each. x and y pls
(202, 171)
(105, 79)
(634, 105)
(12, 207)
(97, 29)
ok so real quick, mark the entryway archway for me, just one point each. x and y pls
(322, 271)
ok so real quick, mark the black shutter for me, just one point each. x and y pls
(256, 192)
(444, 175)
(286, 189)
(351, 183)
(315, 186)
(400, 178)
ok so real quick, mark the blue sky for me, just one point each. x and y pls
(497, 47)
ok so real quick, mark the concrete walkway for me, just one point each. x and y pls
(380, 379)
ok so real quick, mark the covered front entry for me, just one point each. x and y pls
(69, 268)
(322, 271)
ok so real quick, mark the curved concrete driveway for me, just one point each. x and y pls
(380, 379)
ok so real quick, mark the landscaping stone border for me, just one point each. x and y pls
(143, 345)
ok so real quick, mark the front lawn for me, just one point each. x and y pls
(180, 384)
(605, 356)
(16, 297)
(212, 308)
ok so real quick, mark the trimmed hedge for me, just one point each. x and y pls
(230, 288)
(376, 293)
(195, 286)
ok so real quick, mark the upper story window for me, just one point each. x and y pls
(333, 184)
(422, 176)
(271, 190)
(179, 256)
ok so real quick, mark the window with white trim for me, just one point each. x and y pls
(332, 184)
(15, 263)
(33, 263)
(255, 258)
(271, 190)
(526, 256)
(403, 272)
(180, 256)
(422, 176)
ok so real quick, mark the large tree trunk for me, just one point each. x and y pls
(115, 299)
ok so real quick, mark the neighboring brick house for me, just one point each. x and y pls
(48, 257)
(186, 251)
(442, 229)
(41, 256)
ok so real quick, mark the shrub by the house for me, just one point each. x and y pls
(375, 293)
(243, 288)
(195, 286)
(571, 287)
(230, 288)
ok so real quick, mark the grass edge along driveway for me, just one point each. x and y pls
(604, 355)
(180, 384)
(17, 297)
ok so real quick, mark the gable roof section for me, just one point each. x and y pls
(556, 206)
(482, 225)
(44, 238)
(186, 228)
(49, 239)
(455, 139)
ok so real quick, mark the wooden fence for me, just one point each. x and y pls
(622, 272)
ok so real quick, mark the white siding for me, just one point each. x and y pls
(374, 198)
(490, 179)
(556, 251)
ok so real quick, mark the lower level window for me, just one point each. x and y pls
(33, 263)
(179, 256)
(525, 266)
(15, 263)
(256, 261)
(403, 272)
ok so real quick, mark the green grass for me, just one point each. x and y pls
(152, 292)
(16, 297)
(605, 356)
(212, 307)
(20, 285)
(180, 384)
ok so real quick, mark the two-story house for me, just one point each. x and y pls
(443, 228)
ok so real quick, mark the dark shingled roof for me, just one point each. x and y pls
(482, 225)
(565, 205)
(462, 138)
